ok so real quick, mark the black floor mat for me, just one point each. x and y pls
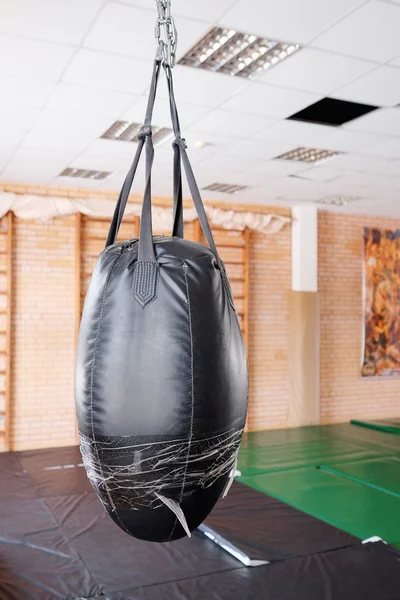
(56, 541)
(361, 572)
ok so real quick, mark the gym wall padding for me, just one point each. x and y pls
(304, 341)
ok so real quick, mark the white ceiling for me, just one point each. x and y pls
(70, 68)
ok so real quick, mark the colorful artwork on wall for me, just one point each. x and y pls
(381, 286)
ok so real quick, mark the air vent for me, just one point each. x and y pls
(125, 131)
(337, 200)
(234, 53)
(330, 111)
(226, 188)
(308, 155)
(85, 174)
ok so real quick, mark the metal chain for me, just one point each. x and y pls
(166, 34)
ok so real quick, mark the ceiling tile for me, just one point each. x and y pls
(214, 143)
(195, 86)
(390, 168)
(297, 133)
(396, 62)
(14, 117)
(320, 174)
(228, 165)
(206, 10)
(226, 122)
(106, 155)
(129, 30)
(353, 162)
(71, 138)
(50, 120)
(369, 32)
(385, 121)
(300, 189)
(288, 20)
(188, 113)
(105, 162)
(24, 91)
(63, 21)
(258, 149)
(86, 100)
(274, 169)
(43, 156)
(317, 71)
(34, 58)
(390, 148)
(269, 101)
(101, 147)
(381, 87)
(15, 121)
(36, 166)
(343, 140)
(108, 71)
(391, 183)
(363, 179)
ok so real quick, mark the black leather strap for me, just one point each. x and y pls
(178, 225)
(194, 190)
(144, 134)
(146, 247)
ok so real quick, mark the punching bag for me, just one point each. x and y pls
(161, 377)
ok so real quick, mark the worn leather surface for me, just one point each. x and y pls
(174, 369)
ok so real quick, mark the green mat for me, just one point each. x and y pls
(347, 476)
(268, 451)
(381, 474)
(360, 510)
(386, 425)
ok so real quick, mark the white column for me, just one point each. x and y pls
(304, 249)
(304, 329)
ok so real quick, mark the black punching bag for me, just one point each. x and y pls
(161, 378)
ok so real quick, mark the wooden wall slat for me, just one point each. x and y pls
(6, 246)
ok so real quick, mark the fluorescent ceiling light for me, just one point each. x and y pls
(85, 174)
(337, 200)
(225, 188)
(308, 155)
(125, 131)
(234, 53)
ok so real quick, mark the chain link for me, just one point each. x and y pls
(166, 34)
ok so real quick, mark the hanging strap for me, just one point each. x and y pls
(144, 134)
(194, 190)
(146, 269)
(178, 194)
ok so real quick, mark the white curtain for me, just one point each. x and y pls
(29, 206)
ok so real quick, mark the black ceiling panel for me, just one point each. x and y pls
(330, 111)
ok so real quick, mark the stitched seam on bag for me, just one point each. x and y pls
(192, 386)
(103, 301)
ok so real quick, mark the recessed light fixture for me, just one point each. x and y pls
(234, 53)
(125, 131)
(225, 188)
(85, 174)
(308, 155)
(337, 200)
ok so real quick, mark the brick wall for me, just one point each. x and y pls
(344, 393)
(270, 281)
(43, 329)
(43, 332)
